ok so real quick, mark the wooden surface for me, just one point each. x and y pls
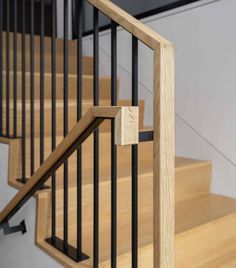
(42, 232)
(104, 155)
(14, 150)
(205, 236)
(72, 44)
(72, 64)
(72, 110)
(104, 85)
(190, 215)
(129, 23)
(198, 220)
(72, 55)
(164, 153)
(87, 119)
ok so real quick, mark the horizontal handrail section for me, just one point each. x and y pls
(130, 23)
(126, 133)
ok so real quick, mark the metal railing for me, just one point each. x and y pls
(161, 177)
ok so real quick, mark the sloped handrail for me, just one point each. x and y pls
(126, 130)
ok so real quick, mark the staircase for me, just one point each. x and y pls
(205, 233)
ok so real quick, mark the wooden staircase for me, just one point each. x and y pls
(205, 223)
(205, 232)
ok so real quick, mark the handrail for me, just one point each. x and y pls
(126, 133)
(130, 23)
(163, 127)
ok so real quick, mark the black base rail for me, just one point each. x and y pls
(71, 252)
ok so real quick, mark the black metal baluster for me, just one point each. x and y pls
(42, 81)
(134, 157)
(1, 63)
(66, 122)
(32, 88)
(53, 63)
(23, 129)
(96, 141)
(15, 70)
(113, 146)
(7, 68)
(79, 115)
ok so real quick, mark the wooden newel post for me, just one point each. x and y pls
(164, 157)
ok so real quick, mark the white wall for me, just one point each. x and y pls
(17, 250)
(205, 43)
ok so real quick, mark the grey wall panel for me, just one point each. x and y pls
(136, 8)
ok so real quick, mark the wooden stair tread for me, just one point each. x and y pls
(145, 167)
(72, 44)
(183, 163)
(124, 158)
(206, 244)
(203, 209)
(190, 214)
(72, 55)
(104, 85)
(72, 64)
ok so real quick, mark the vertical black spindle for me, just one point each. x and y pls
(32, 88)
(15, 69)
(53, 63)
(79, 115)
(96, 140)
(66, 122)
(7, 68)
(23, 129)
(42, 23)
(113, 146)
(134, 157)
(1, 63)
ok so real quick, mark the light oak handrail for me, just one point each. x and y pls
(126, 133)
(163, 126)
(129, 23)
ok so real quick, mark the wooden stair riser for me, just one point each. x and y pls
(72, 44)
(192, 178)
(124, 155)
(104, 86)
(211, 245)
(72, 64)
(193, 181)
(59, 117)
(72, 52)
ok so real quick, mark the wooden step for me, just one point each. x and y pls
(72, 55)
(193, 176)
(72, 63)
(59, 116)
(191, 214)
(72, 44)
(104, 86)
(124, 156)
(209, 245)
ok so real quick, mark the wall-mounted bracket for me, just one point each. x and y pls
(7, 229)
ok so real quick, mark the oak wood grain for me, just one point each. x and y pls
(128, 114)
